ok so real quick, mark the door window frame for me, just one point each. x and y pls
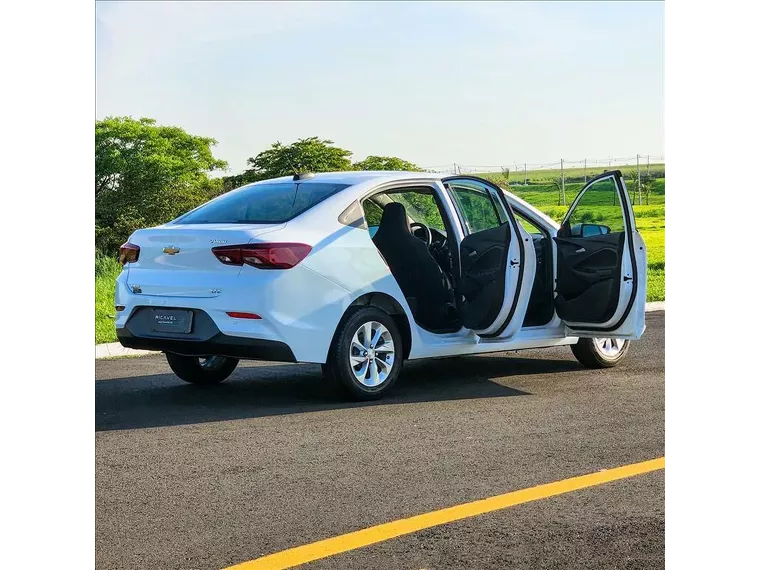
(454, 230)
(624, 200)
(514, 229)
(627, 207)
(460, 211)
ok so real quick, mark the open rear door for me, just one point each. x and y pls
(601, 263)
(497, 258)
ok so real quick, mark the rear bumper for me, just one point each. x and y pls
(205, 339)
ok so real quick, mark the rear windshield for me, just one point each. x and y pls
(262, 203)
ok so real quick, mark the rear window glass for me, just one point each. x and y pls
(262, 203)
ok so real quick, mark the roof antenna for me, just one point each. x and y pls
(296, 175)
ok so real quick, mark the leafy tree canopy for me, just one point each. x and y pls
(147, 174)
(386, 163)
(305, 155)
(128, 149)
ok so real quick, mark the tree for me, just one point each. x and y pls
(647, 184)
(557, 184)
(147, 174)
(505, 177)
(632, 184)
(386, 163)
(305, 155)
(127, 149)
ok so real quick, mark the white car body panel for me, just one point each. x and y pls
(302, 306)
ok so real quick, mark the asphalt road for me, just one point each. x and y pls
(195, 478)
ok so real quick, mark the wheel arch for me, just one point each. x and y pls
(386, 303)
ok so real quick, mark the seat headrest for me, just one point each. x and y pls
(394, 219)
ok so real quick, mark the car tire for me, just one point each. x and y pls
(365, 369)
(201, 370)
(600, 352)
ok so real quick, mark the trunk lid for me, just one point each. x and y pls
(177, 261)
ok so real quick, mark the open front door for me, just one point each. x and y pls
(601, 263)
(497, 259)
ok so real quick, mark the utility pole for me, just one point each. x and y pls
(562, 173)
(638, 174)
(455, 168)
(647, 166)
(585, 179)
(525, 170)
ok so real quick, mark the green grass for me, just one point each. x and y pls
(546, 195)
(106, 271)
(656, 283)
(652, 229)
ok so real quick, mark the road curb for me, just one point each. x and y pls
(115, 350)
(655, 306)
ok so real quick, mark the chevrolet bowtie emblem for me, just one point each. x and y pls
(171, 250)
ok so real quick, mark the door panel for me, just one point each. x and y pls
(484, 257)
(588, 277)
(498, 260)
(601, 263)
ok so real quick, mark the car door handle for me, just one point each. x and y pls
(581, 250)
(473, 252)
(591, 272)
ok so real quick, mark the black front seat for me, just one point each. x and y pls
(420, 277)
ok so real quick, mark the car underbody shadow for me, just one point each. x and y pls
(258, 390)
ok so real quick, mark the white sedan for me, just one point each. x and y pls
(359, 271)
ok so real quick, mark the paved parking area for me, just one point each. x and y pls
(191, 477)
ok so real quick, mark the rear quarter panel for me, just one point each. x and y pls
(347, 257)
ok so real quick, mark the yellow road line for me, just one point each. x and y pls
(357, 539)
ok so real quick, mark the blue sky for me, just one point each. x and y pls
(435, 83)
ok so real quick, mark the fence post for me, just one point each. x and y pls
(562, 173)
(638, 175)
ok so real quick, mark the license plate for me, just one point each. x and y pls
(172, 320)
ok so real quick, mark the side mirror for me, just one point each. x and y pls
(589, 230)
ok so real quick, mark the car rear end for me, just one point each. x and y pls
(228, 278)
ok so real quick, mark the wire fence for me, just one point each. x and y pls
(516, 168)
(646, 166)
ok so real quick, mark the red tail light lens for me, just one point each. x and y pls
(263, 255)
(128, 253)
(239, 315)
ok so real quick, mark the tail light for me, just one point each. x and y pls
(239, 315)
(128, 253)
(263, 255)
